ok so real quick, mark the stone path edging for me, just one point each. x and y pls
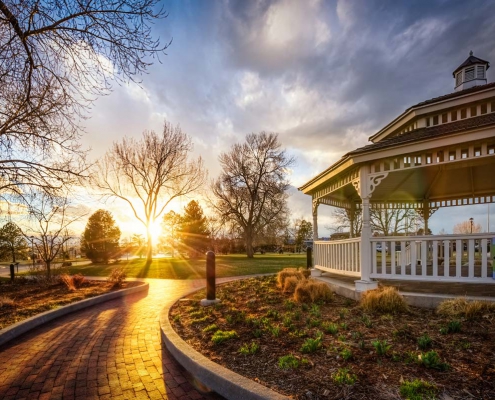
(219, 379)
(17, 329)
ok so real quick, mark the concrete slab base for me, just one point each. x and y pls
(363, 286)
(315, 272)
(207, 303)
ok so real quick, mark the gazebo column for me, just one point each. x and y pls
(314, 271)
(426, 215)
(365, 283)
(315, 220)
(352, 216)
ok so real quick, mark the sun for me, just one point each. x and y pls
(156, 231)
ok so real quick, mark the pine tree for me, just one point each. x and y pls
(194, 229)
(100, 240)
(12, 242)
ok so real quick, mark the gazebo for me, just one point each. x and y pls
(438, 153)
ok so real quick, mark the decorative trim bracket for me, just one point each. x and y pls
(374, 181)
(316, 203)
(357, 185)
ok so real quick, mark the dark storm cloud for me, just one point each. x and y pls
(324, 74)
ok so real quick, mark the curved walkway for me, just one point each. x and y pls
(109, 351)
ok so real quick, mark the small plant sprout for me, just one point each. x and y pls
(311, 345)
(222, 336)
(247, 349)
(330, 327)
(454, 326)
(315, 311)
(424, 342)
(346, 354)
(381, 347)
(343, 313)
(288, 362)
(418, 390)
(211, 328)
(431, 359)
(366, 321)
(343, 376)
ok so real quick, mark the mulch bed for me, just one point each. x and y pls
(29, 298)
(255, 309)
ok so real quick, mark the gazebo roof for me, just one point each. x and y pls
(453, 95)
(428, 133)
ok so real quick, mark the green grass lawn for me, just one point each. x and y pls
(179, 268)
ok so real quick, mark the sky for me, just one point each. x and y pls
(324, 75)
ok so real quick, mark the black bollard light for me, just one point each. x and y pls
(210, 281)
(210, 276)
(309, 258)
(12, 272)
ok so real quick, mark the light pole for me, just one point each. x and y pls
(471, 221)
(32, 249)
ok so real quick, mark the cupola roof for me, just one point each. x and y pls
(471, 60)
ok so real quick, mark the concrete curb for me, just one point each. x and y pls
(219, 379)
(421, 300)
(21, 327)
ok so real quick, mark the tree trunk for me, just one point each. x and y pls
(48, 270)
(149, 248)
(249, 244)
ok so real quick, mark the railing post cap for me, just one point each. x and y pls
(210, 254)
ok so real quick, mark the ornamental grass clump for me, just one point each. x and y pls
(290, 284)
(461, 307)
(384, 300)
(418, 389)
(310, 291)
(6, 302)
(288, 273)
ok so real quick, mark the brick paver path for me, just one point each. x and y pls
(109, 351)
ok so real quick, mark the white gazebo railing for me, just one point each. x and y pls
(339, 256)
(457, 258)
(454, 258)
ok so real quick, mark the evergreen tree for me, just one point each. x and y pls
(12, 242)
(194, 229)
(100, 240)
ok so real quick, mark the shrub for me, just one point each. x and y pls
(383, 300)
(286, 273)
(461, 307)
(288, 362)
(344, 377)
(222, 336)
(381, 347)
(310, 291)
(117, 277)
(418, 390)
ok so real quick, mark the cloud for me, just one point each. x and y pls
(324, 75)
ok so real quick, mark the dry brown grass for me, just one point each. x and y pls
(68, 282)
(384, 300)
(290, 284)
(287, 273)
(461, 307)
(6, 301)
(309, 291)
(78, 280)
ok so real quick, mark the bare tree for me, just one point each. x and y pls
(51, 217)
(344, 222)
(149, 173)
(56, 58)
(251, 190)
(467, 227)
(393, 221)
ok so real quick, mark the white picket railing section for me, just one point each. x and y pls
(456, 258)
(339, 256)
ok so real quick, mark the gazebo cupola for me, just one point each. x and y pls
(471, 72)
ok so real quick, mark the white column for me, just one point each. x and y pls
(365, 283)
(315, 220)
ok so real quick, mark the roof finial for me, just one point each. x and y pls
(471, 53)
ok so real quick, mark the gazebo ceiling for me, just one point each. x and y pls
(470, 180)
